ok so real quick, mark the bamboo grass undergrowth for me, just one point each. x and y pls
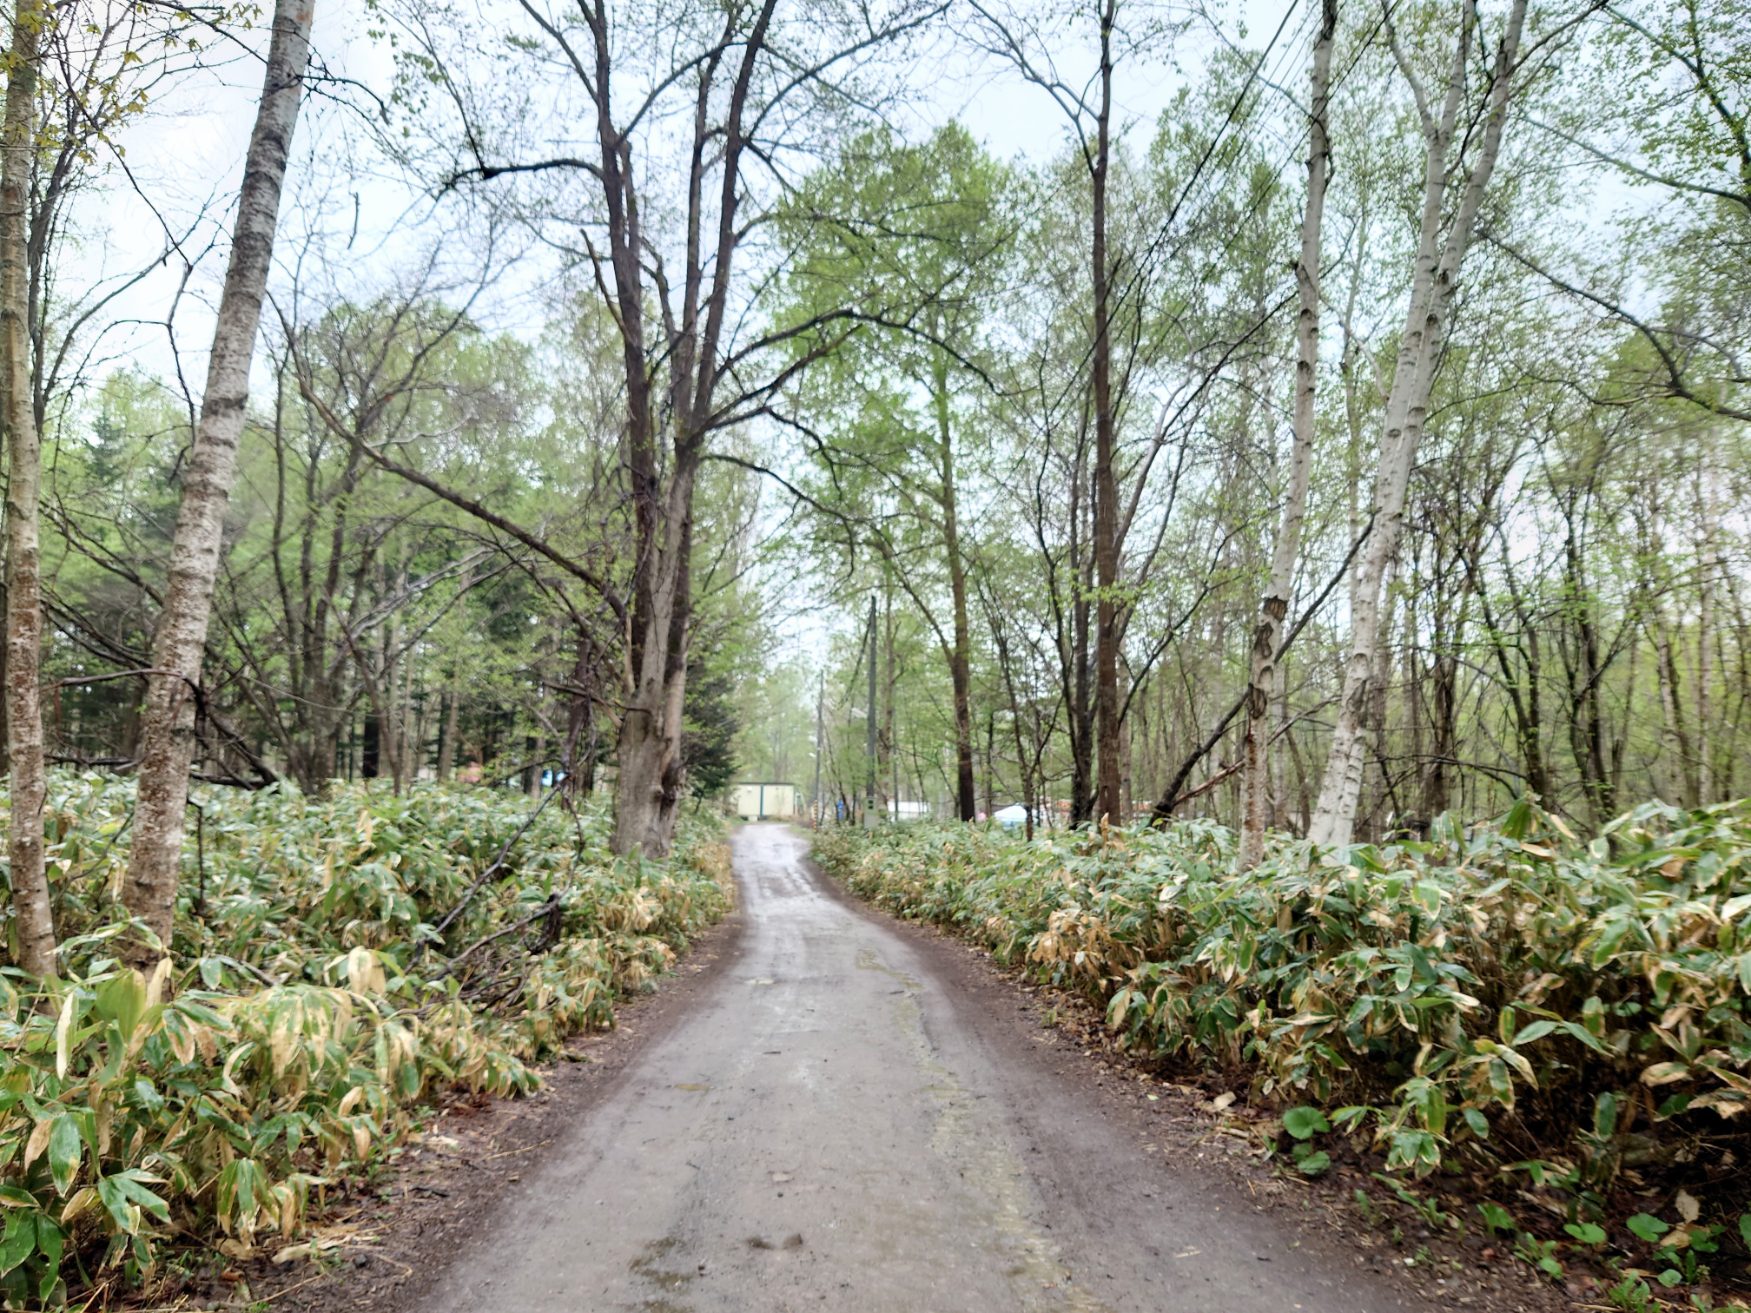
(1549, 1016)
(312, 1010)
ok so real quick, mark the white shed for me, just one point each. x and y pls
(764, 800)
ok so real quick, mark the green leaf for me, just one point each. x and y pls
(64, 1035)
(1745, 1229)
(1480, 1125)
(1605, 1116)
(1586, 1232)
(122, 999)
(1647, 1227)
(1414, 1149)
(50, 1242)
(132, 1184)
(1305, 1122)
(1497, 1218)
(65, 1151)
(1517, 824)
(1537, 1030)
(18, 1241)
(1315, 1164)
(1350, 1116)
(117, 1204)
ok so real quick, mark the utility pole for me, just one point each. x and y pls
(820, 703)
(869, 802)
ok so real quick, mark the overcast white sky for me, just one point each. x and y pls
(185, 158)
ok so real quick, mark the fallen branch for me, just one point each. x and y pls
(491, 873)
(547, 910)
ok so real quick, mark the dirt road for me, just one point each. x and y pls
(833, 1128)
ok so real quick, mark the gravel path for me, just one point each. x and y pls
(833, 1126)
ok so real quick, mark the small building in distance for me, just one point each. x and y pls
(760, 800)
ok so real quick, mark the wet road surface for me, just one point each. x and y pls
(830, 1129)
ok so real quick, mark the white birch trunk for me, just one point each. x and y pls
(168, 724)
(32, 912)
(1708, 475)
(1274, 606)
(1432, 286)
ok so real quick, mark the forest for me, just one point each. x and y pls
(1284, 464)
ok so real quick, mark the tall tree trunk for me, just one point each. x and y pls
(577, 751)
(1586, 715)
(888, 761)
(647, 788)
(1078, 692)
(370, 749)
(651, 770)
(447, 730)
(32, 911)
(412, 737)
(1681, 777)
(1432, 287)
(1378, 686)
(533, 773)
(1108, 804)
(1274, 606)
(960, 664)
(1708, 476)
(990, 763)
(167, 737)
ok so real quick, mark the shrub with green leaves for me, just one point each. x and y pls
(1506, 995)
(313, 1006)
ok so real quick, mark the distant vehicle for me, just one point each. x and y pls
(1014, 817)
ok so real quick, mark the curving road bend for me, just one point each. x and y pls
(830, 1129)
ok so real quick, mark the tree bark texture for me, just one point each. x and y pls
(167, 737)
(1434, 280)
(1108, 802)
(33, 916)
(960, 658)
(1274, 606)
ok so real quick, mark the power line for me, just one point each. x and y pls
(1331, 94)
(1209, 153)
(1164, 229)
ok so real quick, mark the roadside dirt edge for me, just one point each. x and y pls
(398, 1231)
(1172, 1117)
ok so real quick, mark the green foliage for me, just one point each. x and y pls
(1647, 1227)
(708, 738)
(315, 1008)
(1498, 1219)
(1501, 976)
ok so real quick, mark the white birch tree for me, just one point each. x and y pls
(174, 683)
(1435, 277)
(1274, 605)
(34, 919)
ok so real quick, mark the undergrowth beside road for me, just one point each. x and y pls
(1563, 1025)
(313, 1006)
